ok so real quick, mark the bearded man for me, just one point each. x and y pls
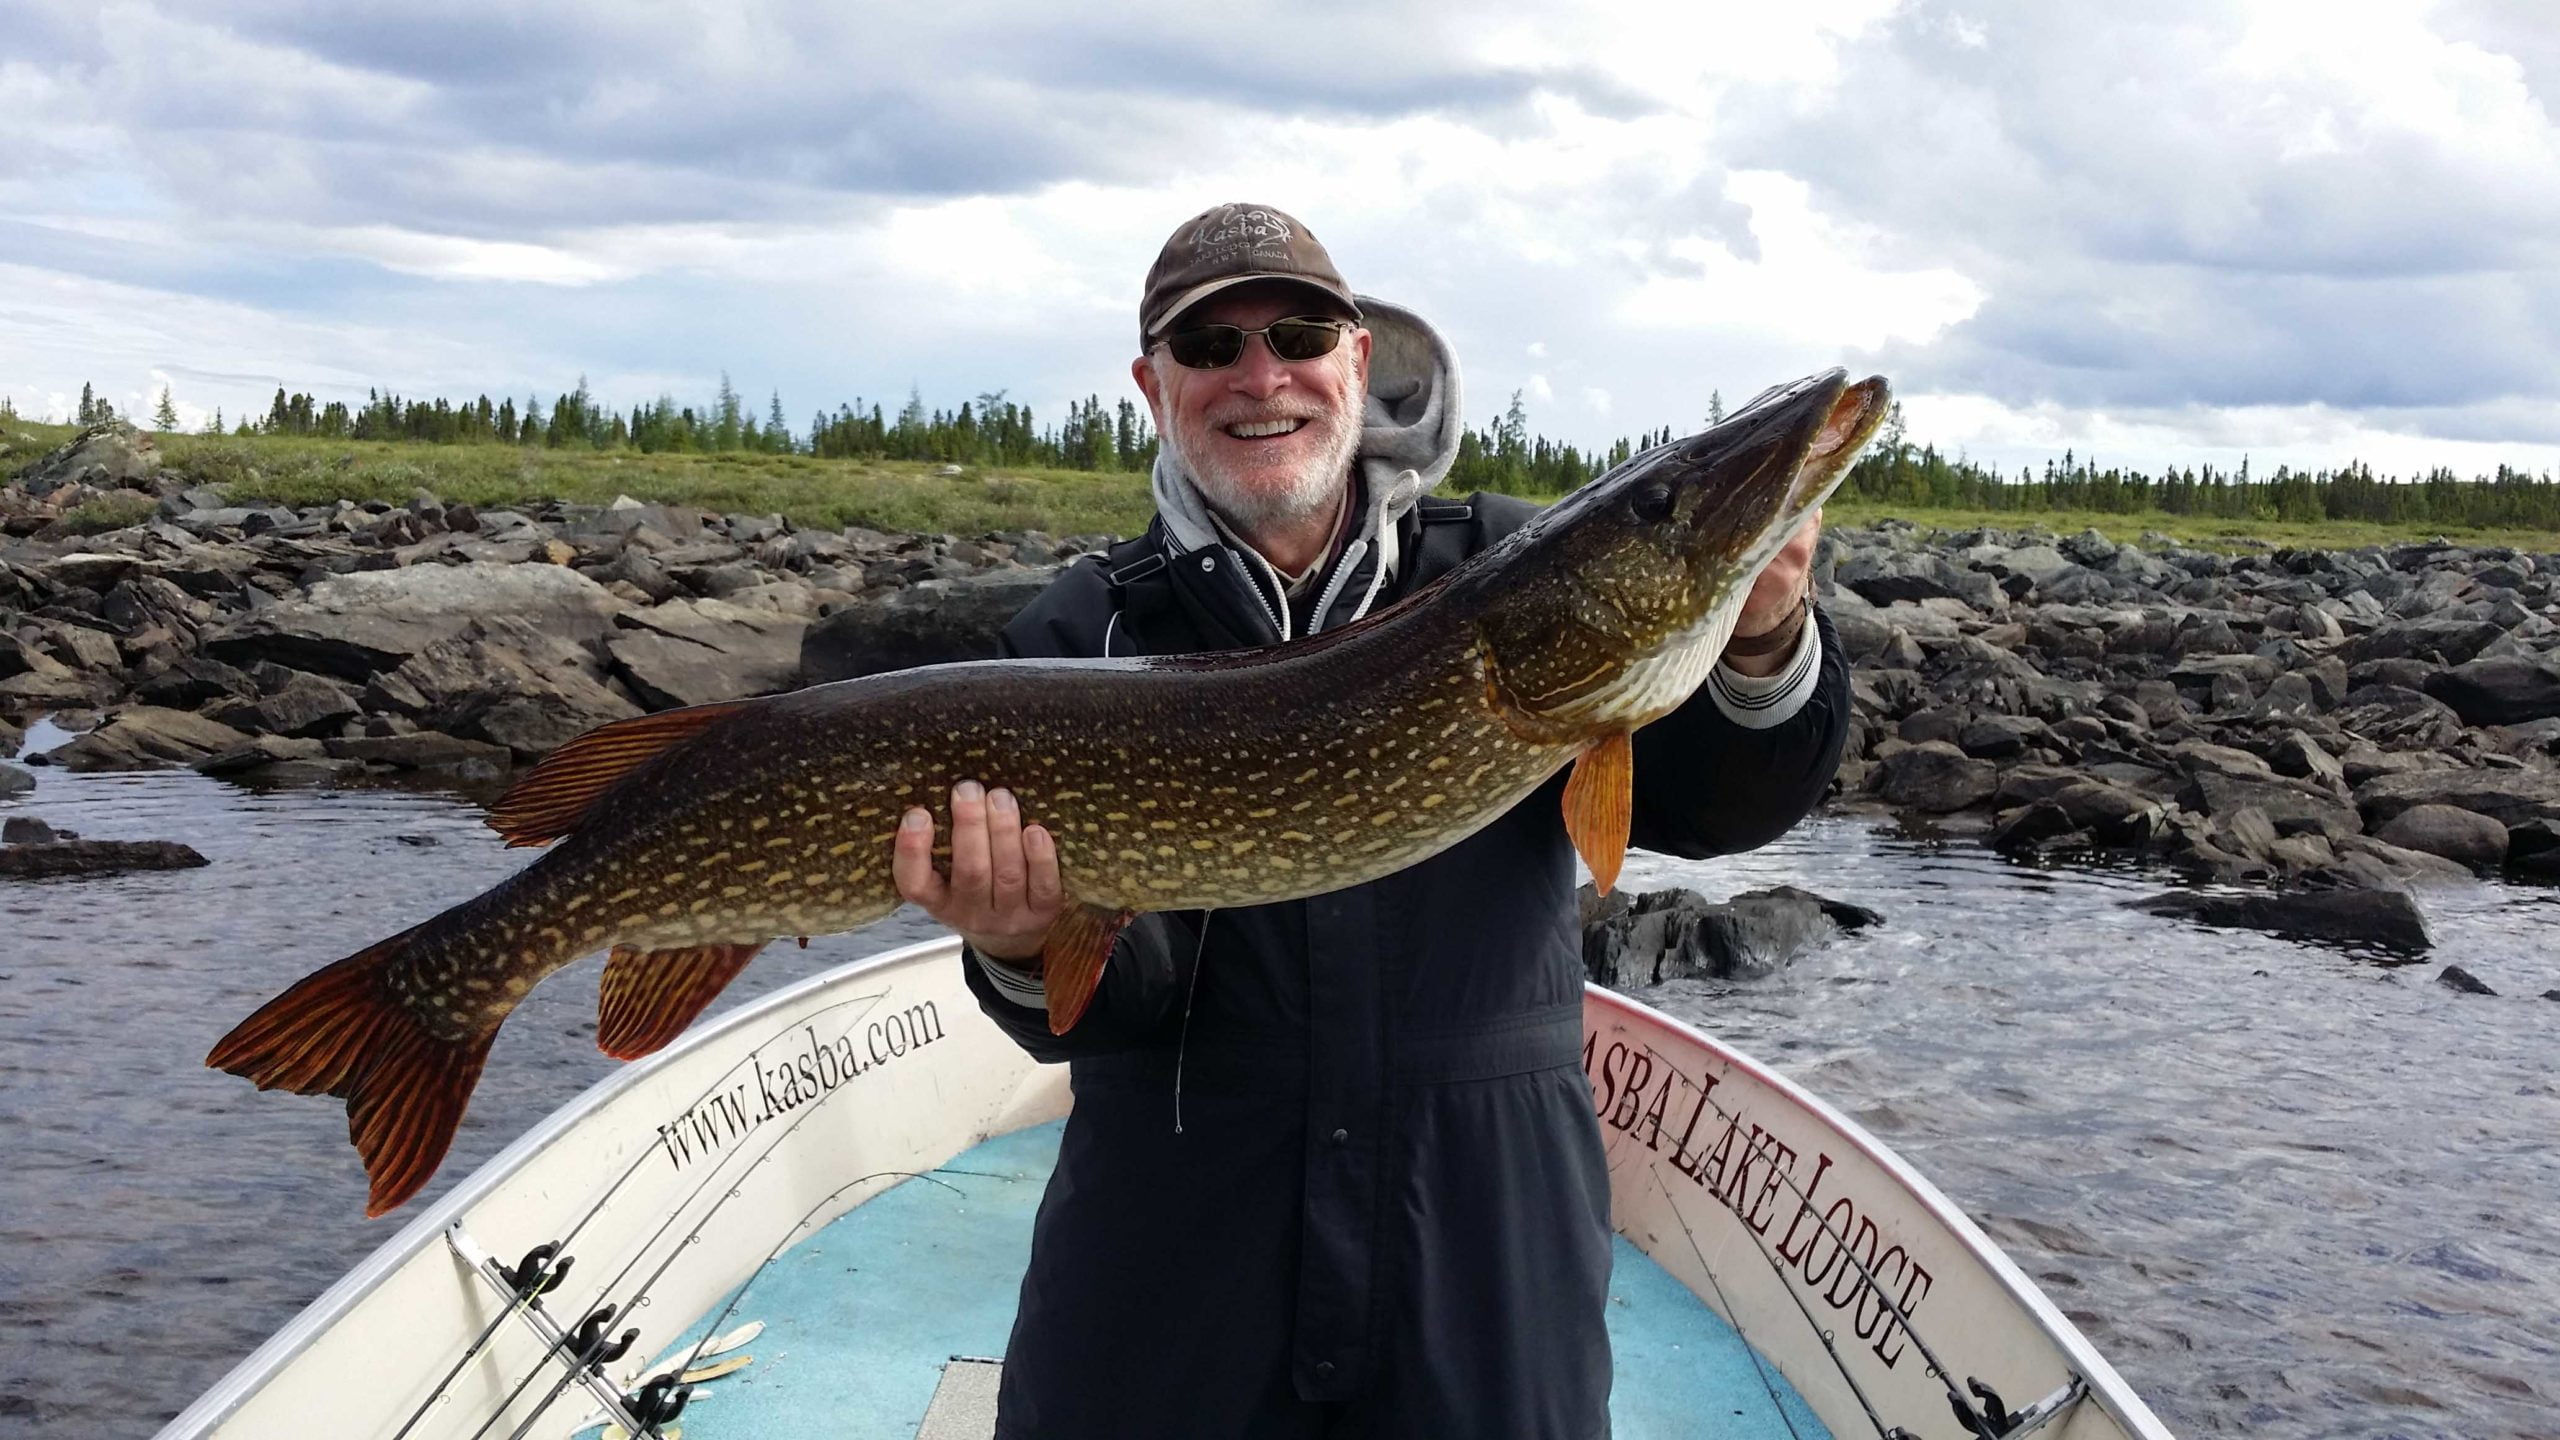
(1332, 1168)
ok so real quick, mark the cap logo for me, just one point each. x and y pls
(1240, 237)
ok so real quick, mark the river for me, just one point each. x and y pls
(2289, 1191)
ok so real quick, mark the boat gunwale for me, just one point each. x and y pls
(226, 1395)
(2109, 1388)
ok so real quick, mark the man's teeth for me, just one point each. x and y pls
(1256, 429)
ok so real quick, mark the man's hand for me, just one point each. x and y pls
(1004, 888)
(1775, 598)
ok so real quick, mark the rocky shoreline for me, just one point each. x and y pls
(2306, 723)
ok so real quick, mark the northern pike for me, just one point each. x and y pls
(691, 838)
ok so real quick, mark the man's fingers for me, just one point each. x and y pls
(911, 863)
(1005, 868)
(969, 845)
(1043, 890)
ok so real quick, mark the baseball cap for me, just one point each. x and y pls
(1228, 245)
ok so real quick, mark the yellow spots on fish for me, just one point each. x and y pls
(1147, 803)
(1354, 772)
(835, 897)
(1478, 773)
(1434, 801)
(1302, 805)
(1066, 795)
(1385, 817)
(1134, 856)
(1265, 813)
(1450, 729)
(1351, 799)
(1115, 815)
(1434, 703)
(698, 906)
(670, 908)
(625, 893)
(1164, 824)
(1303, 776)
(1436, 762)
(1297, 836)
(732, 892)
(1395, 785)
(779, 841)
(1090, 828)
(779, 877)
(1280, 862)
(1345, 837)
(1256, 776)
(845, 848)
(751, 867)
(1374, 846)
(1204, 844)
(577, 902)
(1240, 847)
(866, 812)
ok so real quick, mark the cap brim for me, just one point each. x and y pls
(1153, 326)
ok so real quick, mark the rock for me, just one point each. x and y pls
(2300, 757)
(468, 759)
(304, 704)
(696, 652)
(2507, 690)
(2454, 977)
(14, 781)
(263, 751)
(2457, 835)
(2388, 919)
(508, 683)
(27, 830)
(2291, 805)
(924, 624)
(1661, 935)
(111, 456)
(2198, 757)
(2363, 862)
(1936, 777)
(1996, 736)
(353, 626)
(195, 682)
(145, 737)
(2510, 797)
(95, 857)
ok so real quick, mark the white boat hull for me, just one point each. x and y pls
(789, 1112)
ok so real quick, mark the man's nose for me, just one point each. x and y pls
(1259, 372)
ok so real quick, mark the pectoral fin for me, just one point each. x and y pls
(1599, 806)
(1071, 958)
(651, 995)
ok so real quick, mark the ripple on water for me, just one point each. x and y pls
(2289, 1192)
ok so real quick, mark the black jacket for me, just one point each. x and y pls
(1332, 1167)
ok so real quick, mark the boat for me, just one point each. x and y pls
(810, 1216)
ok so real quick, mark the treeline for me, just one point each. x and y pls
(990, 430)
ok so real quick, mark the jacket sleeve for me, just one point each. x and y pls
(1143, 981)
(1705, 785)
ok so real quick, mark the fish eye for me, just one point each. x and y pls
(1653, 502)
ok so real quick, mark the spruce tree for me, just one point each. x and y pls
(88, 405)
(164, 418)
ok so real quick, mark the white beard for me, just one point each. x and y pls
(1265, 498)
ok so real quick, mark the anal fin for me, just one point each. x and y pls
(1599, 807)
(651, 995)
(1071, 959)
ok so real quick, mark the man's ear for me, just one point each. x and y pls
(1151, 385)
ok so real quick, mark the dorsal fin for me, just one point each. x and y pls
(550, 802)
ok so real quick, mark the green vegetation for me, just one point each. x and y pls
(858, 466)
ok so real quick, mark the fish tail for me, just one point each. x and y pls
(341, 1031)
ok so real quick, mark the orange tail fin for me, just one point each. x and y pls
(340, 1032)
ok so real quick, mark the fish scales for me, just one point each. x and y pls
(685, 841)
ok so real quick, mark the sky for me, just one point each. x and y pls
(2173, 233)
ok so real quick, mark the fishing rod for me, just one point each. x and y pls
(639, 1297)
(529, 1269)
(1733, 1317)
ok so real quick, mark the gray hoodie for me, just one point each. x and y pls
(1408, 439)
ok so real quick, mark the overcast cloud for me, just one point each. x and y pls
(2171, 233)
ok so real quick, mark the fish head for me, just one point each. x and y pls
(1611, 605)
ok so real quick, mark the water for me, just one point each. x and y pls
(2290, 1192)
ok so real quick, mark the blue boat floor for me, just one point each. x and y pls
(861, 1318)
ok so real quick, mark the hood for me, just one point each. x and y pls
(1408, 439)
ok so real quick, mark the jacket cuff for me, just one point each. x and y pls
(1013, 983)
(1765, 702)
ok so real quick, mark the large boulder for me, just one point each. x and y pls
(695, 652)
(504, 681)
(95, 857)
(929, 623)
(144, 737)
(2457, 835)
(2385, 919)
(112, 456)
(355, 625)
(1630, 941)
(2506, 690)
(1936, 777)
(2510, 797)
(14, 781)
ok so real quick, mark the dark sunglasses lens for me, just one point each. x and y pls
(1303, 339)
(1210, 347)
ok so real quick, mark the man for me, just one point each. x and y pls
(1332, 1168)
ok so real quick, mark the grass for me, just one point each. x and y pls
(906, 496)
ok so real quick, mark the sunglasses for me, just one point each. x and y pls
(1215, 347)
